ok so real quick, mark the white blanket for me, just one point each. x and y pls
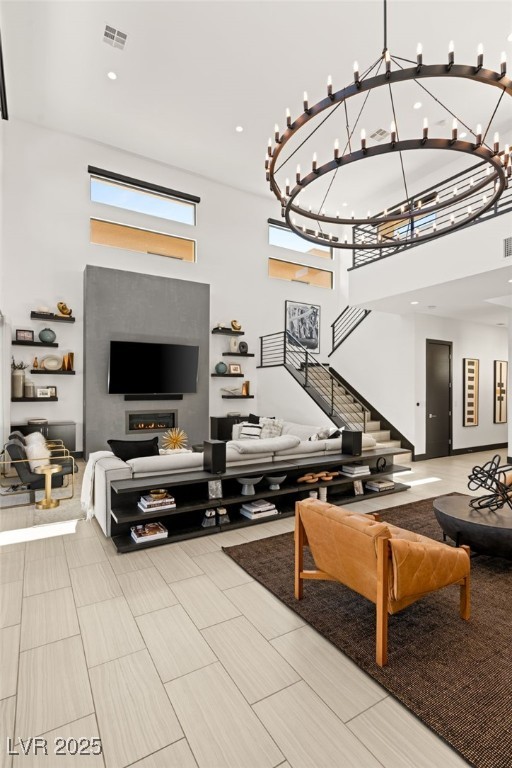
(87, 495)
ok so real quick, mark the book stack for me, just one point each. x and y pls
(147, 504)
(380, 485)
(354, 470)
(149, 532)
(255, 510)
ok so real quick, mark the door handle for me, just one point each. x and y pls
(432, 415)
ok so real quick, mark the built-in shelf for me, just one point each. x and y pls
(228, 375)
(51, 317)
(228, 332)
(237, 354)
(238, 397)
(34, 399)
(52, 373)
(34, 343)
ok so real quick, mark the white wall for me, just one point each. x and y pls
(384, 359)
(281, 396)
(45, 247)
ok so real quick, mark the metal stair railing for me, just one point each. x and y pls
(345, 324)
(283, 349)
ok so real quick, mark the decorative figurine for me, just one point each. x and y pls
(35, 364)
(64, 309)
(236, 326)
(174, 438)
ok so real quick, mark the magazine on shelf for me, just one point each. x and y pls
(150, 500)
(156, 510)
(149, 532)
(355, 469)
(380, 485)
(259, 515)
(257, 510)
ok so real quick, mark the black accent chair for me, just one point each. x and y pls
(16, 456)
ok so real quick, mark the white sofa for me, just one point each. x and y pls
(292, 444)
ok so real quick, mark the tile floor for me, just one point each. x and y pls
(176, 658)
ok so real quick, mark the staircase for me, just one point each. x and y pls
(345, 324)
(326, 387)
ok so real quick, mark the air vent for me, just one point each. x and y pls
(379, 135)
(507, 247)
(114, 37)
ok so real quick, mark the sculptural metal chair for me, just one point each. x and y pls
(14, 457)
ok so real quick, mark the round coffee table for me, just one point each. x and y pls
(486, 532)
(47, 470)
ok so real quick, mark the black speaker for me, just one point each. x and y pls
(214, 456)
(351, 442)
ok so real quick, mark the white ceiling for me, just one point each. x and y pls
(192, 71)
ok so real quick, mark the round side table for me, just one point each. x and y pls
(47, 470)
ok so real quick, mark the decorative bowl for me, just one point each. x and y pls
(275, 481)
(52, 362)
(248, 484)
(158, 493)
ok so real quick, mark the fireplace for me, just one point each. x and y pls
(150, 421)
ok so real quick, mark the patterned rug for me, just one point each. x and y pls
(455, 676)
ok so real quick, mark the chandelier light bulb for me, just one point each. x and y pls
(337, 214)
(276, 133)
(478, 134)
(297, 175)
(470, 210)
(336, 149)
(352, 215)
(434, 226)
(369, 214)
(455, 191)
(356, 72)
(287, 187)
(454, 130)
(419, 55)
(387, 59)
(452, 219)
(267, 163)
(484, 199)
(451, 53)
(329, 86)
(363, 139)
(393, 132)
(471, 182)
(496, 142)
(503, 64)
(313, 163)
(269, 148)
(480, 56)
(306, 102)
(288, 118)
(425, 128)
(345, 240)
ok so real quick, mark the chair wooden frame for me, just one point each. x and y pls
(382, 598)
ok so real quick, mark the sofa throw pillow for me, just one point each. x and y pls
(132, 449)
(253, 419)
(249, 431)
(326, 433)
(38, 455)
(270, 427)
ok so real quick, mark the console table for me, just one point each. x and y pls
(190, 490)
(486, 532)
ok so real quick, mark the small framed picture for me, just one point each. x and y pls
(52, 391)
(23, 335)
(44, 392)
(358, 488)
(235, 368)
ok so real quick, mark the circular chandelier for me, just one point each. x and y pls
(419, 218)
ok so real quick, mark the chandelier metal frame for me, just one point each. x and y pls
(499, 163)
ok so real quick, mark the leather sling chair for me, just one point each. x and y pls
(16, 457)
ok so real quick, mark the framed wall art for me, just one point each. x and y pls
(302, 325)
(470, 398)
(24, 335)
(500, 391)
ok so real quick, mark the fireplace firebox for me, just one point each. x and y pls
(150, 421)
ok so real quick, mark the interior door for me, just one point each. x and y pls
(438, 441)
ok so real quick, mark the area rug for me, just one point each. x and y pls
(455, 676)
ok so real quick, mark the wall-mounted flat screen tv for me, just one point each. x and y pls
(138, 368)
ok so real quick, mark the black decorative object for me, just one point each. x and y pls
(351, 442)
(496, 480)
(133, 449)
(381, 464)
(214, 456)
(449, 207)
(243, 347)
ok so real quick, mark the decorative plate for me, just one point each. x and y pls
(51, 363)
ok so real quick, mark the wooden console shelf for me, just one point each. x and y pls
(228, 332)
(53, 373)
(51, 317)
(34, 399)
(237, 354)
(228, 375)
(34, 343)
(238, 397)
(190, 490)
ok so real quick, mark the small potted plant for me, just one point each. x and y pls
(17, 378)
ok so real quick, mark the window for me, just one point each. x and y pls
(142, 201)
(142, 240)
(284, 238)
(288, 270)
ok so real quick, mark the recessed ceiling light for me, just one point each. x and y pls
(239, 129)
(345, 205)
(510, 281)
(414, 302)
(417, 105)
(112, 76)
(509, 38)
(462, 135)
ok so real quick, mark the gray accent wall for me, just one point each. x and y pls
(128, 306)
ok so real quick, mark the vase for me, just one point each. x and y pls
(17, 382)
(47, 336)
(221, 368)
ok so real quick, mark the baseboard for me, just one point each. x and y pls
(77, 454)
(419, 457)
(478, 448)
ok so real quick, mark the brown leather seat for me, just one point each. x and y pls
(388, 565)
